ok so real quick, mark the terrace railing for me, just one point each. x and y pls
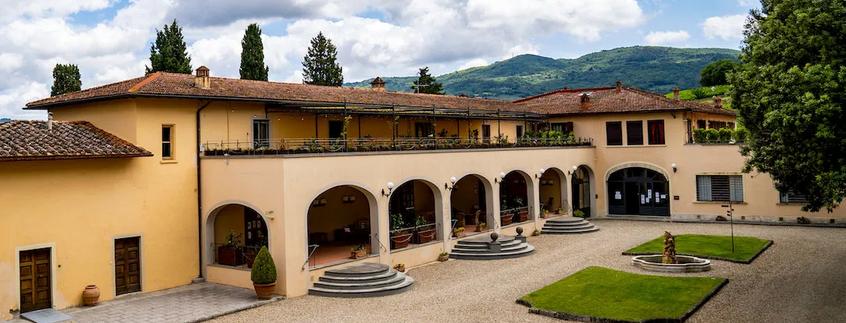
(322, 145)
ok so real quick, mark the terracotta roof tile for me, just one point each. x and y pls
(609, 100)
(31, 140)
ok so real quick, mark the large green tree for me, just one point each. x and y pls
(65, 79)
(426, 83)
(252, 55)
(715, 73)
(320, 65)
(790, 91)
(169, 53)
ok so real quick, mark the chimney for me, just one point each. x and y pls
(378, 84)
(202, 79)
(49, 121)
(584, 99)
(619, 86)
(718, 102)
(676, 91)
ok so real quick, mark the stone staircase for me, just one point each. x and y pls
(492, 246)
(568, 225)
(363, 280)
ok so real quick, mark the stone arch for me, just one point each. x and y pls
(235, 231)
(338, 219)
(553, 184)
(471, 193)
(517, 196)
(412, 199)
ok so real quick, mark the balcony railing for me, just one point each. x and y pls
(322, 145)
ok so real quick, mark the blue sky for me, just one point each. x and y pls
(110, 39)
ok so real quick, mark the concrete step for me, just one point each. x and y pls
(576, 226)
(480, 251)
(568, 231)
(529, 249)
(568, 219)
(566, 224)
(362, 278)
(511, 243)
(359, 285)
(396, 288)
(484, 240)
(360, 269)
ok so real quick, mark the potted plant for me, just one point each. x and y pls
(443, 257)
(506, 217)
(482, 226)
(263, 274)
(229, 253)
(424, 231)
(579, 213)
(400, 235)
(358, 251)
(400, 268)
(457, 231)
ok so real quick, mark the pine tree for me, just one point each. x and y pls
(252, 55)
(65, 79)
(169, 53)
(426, 83)
(320, 66)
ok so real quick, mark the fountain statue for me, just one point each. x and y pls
(669, 255)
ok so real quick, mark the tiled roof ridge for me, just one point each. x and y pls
(563, 90)
(147, 79)
(60, 96)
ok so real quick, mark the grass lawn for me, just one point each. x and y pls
(597, 292)
(707, 246)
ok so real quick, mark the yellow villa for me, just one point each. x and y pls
(157, 181)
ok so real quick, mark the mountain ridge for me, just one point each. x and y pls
(657, 69)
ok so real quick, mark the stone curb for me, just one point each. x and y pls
(236, 310)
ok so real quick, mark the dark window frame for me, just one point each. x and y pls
(656, 133)
(616, 135)
(634, 138)
(167, 142)
(261, 126)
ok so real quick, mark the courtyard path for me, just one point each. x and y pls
(800, 278)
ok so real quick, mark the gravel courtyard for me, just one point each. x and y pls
(800, 278)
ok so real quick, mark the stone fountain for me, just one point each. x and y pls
(669, 262)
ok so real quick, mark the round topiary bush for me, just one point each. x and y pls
(264, 270)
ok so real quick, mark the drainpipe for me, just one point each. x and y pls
(202, 106)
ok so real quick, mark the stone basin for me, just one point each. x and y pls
(686, 264)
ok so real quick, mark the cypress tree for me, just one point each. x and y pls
(252, 55)
(426, 83)
(169, 53)
(65, 79)
(320, 66)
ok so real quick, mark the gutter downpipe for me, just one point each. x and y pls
(202, 106)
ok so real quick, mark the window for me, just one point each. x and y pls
(424, 129)
(719, 188)
(701, 124)
(563, 127)
(519, 131)
(614, 133)
(656, 132)
(717, 124)
(167, 141)
(261, 133)
(336, 127)
(634, 132)
(486, 132)
(790, 197)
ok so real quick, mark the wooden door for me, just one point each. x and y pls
(35, 281)
(127, 265)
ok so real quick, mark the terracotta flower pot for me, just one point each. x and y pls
(400, 241)
(264, 291)
(424, 236)
(506, 219)
(91, 295)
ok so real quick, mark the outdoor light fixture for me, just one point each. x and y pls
(451, 185)
(574, 170)
(540, 173)
(499, 178)
(390, 189)
(675, 168)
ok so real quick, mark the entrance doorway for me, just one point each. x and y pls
(127, 265)
(35, 279)
(638, 191)
(581, 188)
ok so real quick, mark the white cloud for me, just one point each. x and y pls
(666, 37)
(724, 27)
(476, 62)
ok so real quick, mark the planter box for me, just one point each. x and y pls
(424, 236)
(524, 215)
(506, 219)
(400, 240)
(229, 256)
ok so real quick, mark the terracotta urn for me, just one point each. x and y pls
(91, 295)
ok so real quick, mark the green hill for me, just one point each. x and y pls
(705, 94)
(656, 69)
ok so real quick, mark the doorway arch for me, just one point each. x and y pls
(515, 197)
(237, 233)
(553, 192)
(341, 220)
(638, 191)
(583, 190)
(471, 202)
(415, 214)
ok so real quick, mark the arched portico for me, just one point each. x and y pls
(553, 192)
(583, 189)
(638, 190)
(471, 201)
(236, 232)
(340, 225)
(415, 211)
(515, 197)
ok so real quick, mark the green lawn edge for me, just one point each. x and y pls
(766, 246)
(584, 318)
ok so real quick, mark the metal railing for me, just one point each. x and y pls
(312, 248)
(323, 145)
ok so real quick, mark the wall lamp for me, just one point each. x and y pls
(451, 185)
(390, 189)
(573, 171)
(499, 178)
(540, 173)
(675, 167)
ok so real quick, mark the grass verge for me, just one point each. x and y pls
(746, 249)
(602, 294)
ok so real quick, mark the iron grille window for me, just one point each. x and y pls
(656, 132)
(634, 132)
(614, 133)
(790, 197)
(719, 188)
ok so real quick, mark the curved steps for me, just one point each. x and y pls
(485, 249)
(568, 225)
(363, 280)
